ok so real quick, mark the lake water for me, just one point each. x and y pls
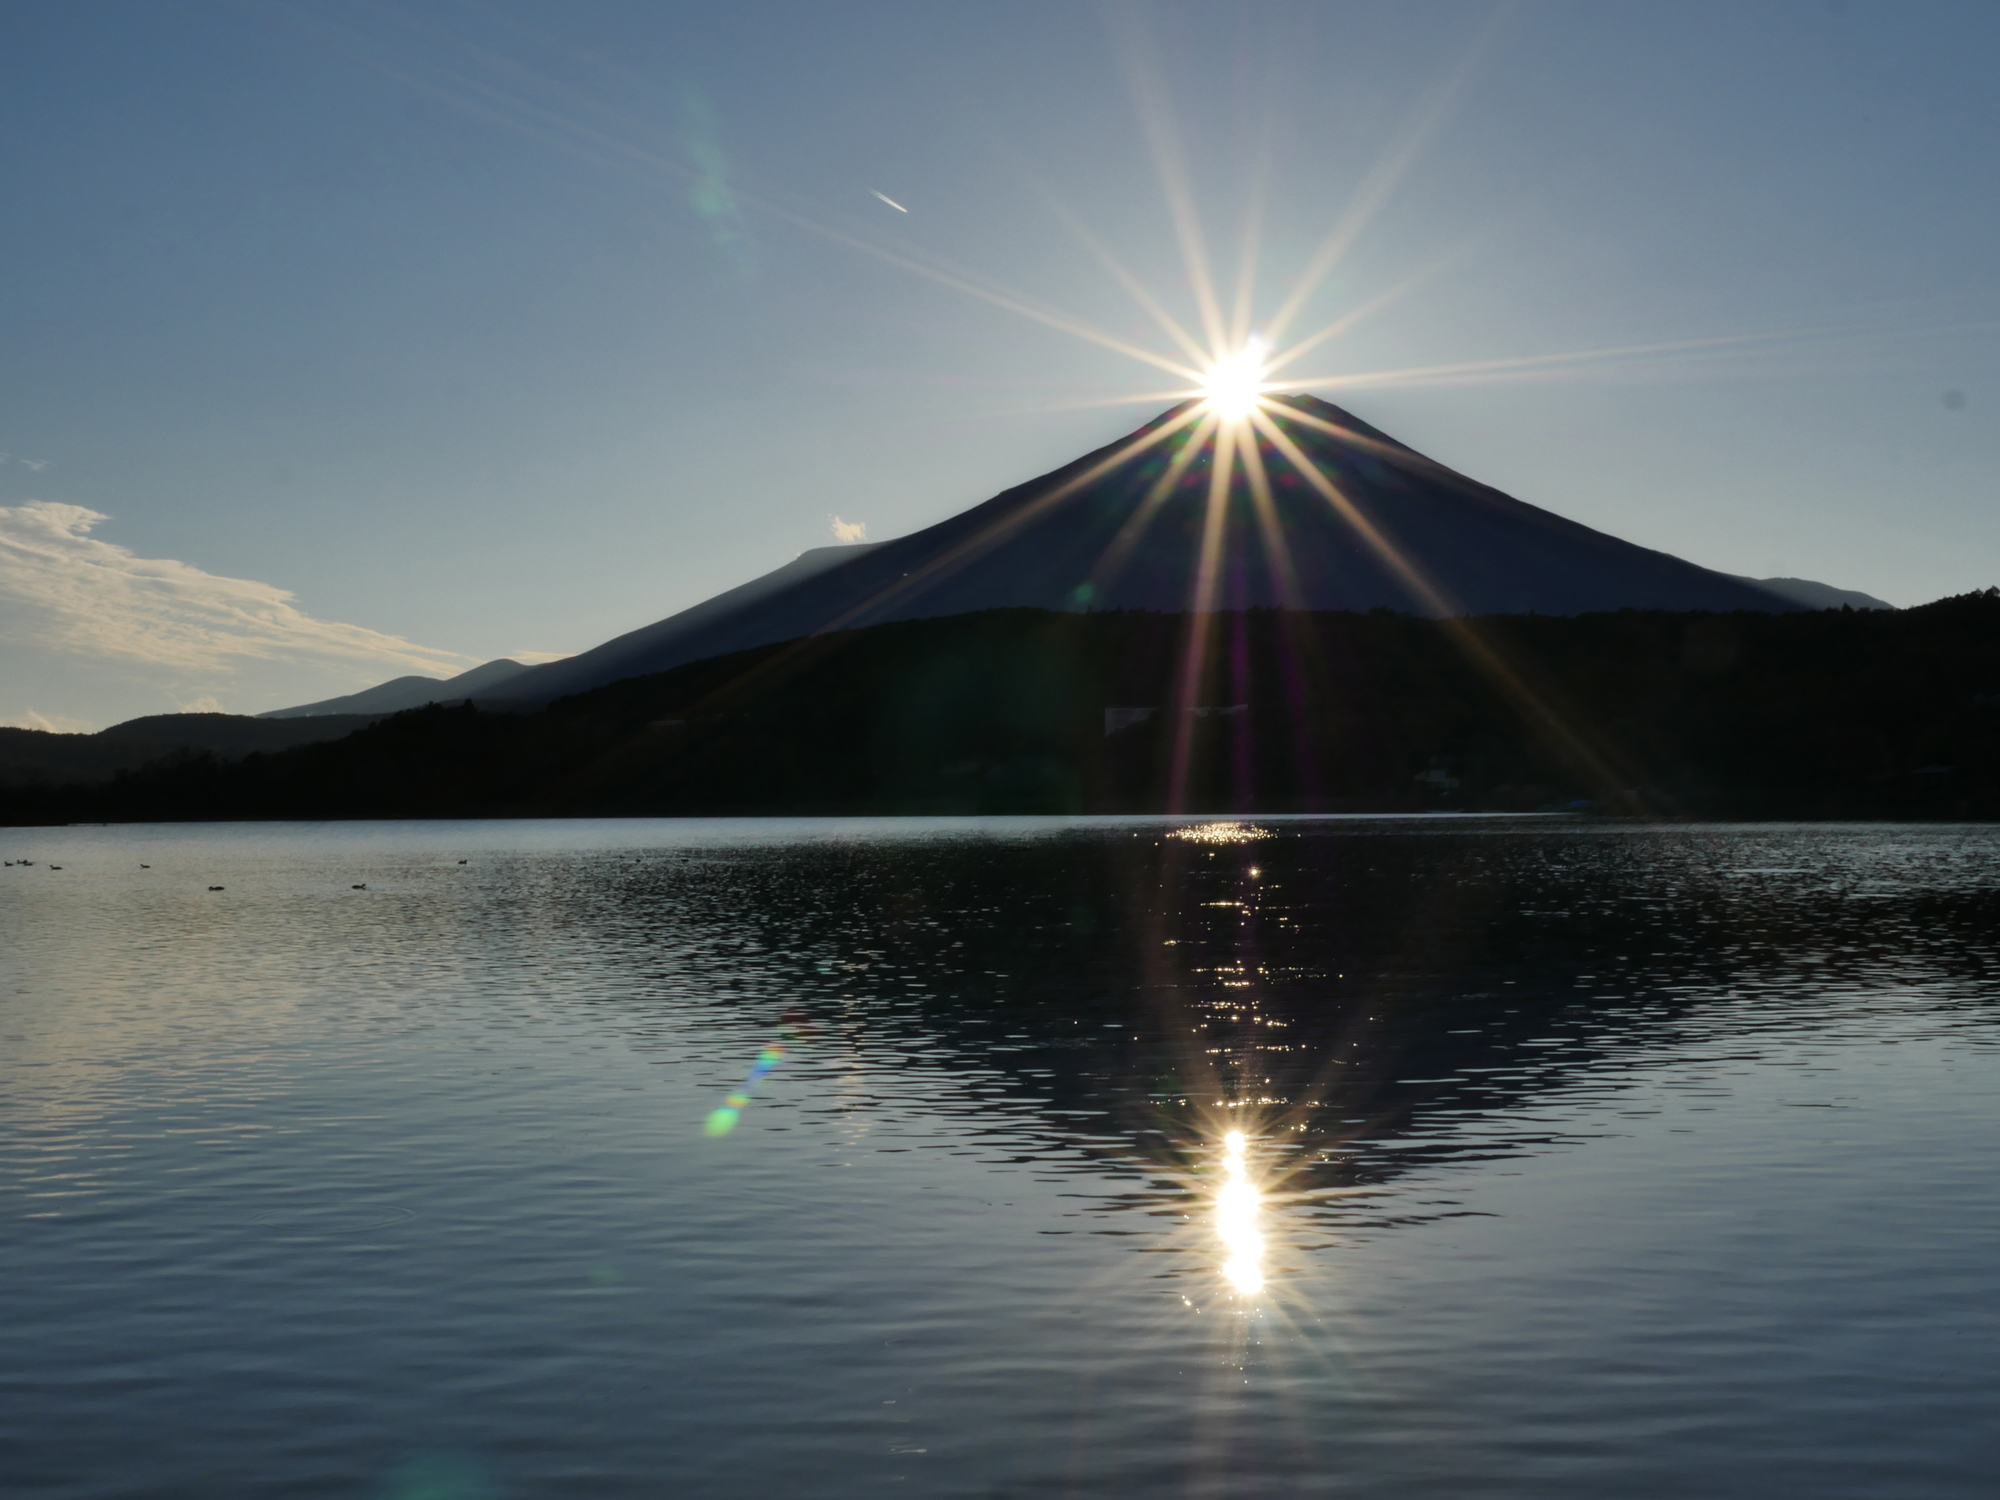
(1575, 1160)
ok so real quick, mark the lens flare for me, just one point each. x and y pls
(1237, 1206)
(723, 1120)
(1233, 383)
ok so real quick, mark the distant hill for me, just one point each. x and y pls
(1821, 597)
(1135, 526)
(36, 756)
(1813, 714)
(1817, 595)
(400, 693)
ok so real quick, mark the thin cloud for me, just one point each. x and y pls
(849, 531)
(52, 723)
(63, 589)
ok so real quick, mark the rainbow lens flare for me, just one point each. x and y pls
(722, 1121)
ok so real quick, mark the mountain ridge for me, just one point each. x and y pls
(1126, 526)
(399, 693)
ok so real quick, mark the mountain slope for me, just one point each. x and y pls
(400, 693)
(1817, 595)
(1120, 528)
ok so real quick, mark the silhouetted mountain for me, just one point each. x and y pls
(1813, 714)
(1121, 529)
(31, 756)
(1817, 595)
(399, 693)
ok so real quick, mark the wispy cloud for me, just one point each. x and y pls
(53, 723)
(65, 590)
(849, 531)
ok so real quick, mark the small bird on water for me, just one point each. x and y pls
(215, 888)
(361, 887)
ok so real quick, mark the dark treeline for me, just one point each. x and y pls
(36, 756)
(1820, 715)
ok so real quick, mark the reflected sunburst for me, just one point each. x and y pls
(1238, 1210)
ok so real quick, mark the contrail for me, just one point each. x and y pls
(890, 201)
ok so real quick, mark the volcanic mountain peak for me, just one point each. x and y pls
(1305, 506)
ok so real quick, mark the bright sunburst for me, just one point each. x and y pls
(1237, 1205)
(1234, 382)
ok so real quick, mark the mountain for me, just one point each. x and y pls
(1817, 595)
(1129, 526)
(400, 693)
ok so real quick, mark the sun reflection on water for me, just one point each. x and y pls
(1220, 833)
(1237, 1208)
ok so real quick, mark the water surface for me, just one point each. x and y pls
(1586, 1160)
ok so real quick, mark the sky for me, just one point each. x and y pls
(340, 341)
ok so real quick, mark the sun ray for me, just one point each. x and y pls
(991, 535)
(1046, 317)
(1111, 564)
(1201, 613)
(512, 110)
(800, 654)
(1253, 232)
(1535, 707)
(1168, 323)
(1277, 553)
(1592, 359)
(1169, 166)
(1429, 117)
(1355, 316)
(1433, 598)
(1143, 398)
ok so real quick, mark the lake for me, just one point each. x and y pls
(1371, 1157)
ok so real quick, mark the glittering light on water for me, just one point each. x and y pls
(1238, 1205)
(1220, 833)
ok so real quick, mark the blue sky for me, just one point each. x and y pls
(344, 340)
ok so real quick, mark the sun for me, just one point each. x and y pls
(1233, 382)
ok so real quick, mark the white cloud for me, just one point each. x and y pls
(849, 531)
(536, 658)
(66, 591)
